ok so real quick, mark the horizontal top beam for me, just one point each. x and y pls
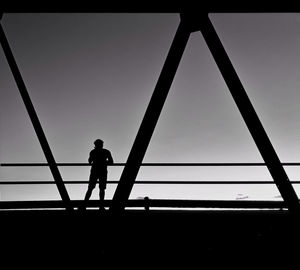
(160, 164)
(148, 182)
(153, 6)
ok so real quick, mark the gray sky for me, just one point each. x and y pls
(91, 76)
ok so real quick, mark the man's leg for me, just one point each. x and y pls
(87, 197)
(102, 187)
(102, 194)
(91, 186)
(88, 193)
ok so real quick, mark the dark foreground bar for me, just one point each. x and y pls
(155, 239)
(148, 204)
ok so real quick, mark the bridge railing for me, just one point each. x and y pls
(157, 203)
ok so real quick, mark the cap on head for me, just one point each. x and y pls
(98, 142)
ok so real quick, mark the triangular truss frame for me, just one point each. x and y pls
(189, 22)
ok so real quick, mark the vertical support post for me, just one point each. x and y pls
(248, 113)
(150, 119)
(34, 119)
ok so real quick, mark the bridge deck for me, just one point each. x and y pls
(149, 238)
(151, 203)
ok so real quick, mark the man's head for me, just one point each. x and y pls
(98, 143)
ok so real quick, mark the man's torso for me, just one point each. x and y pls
(99, 158)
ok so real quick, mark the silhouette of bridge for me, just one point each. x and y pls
(152, 203)
(207, 234)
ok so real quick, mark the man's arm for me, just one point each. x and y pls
(90, 158)
(110, 160)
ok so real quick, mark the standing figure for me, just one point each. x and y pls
(99, 159)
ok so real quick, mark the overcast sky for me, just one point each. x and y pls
(91, 76)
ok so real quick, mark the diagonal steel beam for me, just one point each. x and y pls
(34, 119)
(150, 119)
(248, 112)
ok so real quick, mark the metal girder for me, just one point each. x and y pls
(152, 7)
(248, 113)
(150, 119)
(34, 119)
(190, 23)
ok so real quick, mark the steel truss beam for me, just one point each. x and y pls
(151, 117)
(248, 113)
(190, 23)
(34, 119)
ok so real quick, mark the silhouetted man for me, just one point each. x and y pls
(99, 159)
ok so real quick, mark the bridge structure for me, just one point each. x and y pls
(180, 229)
